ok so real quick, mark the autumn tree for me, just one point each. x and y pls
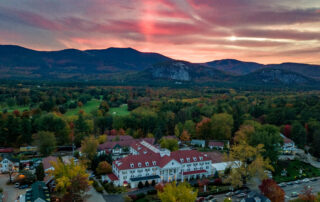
(72, 180)
(222, 125)
(40, 172)
(307, 195)
(185, 136)
(45, 141)
(89, 147)
(169, 143)
(272, 190)
(183, 192)
(204, 128)
(103, 168)
(247, 163)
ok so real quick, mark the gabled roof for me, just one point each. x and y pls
(112, 177)
(189, 156)
(47, 161)
(216, 143)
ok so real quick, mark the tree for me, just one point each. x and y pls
(72, 180)
(222, 125)
(269, 136)
(307, 196)
(185, 136)
(298, 134)
(40, 172)
(81, 128)
(140, 185)
(272, 190)
(247, 163)
(45, 141)
(183, 192)
(89, 147)
(104, 168)
(169, 143)
(204, 129)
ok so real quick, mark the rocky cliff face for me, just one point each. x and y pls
(185, 71)
(276, 76)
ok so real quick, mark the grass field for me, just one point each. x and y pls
(11, 109)
(119, 111)
(87, 108)
(293, 171)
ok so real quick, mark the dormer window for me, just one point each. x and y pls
(139, 165)
(147, 163)
(201, 158)
(188, 159)
(131, 165)
(154, 163)
(139, 148)
(181, 160)
(194, 158)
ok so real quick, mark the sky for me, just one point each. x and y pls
(265, 31)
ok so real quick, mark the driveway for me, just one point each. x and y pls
(94, 196)
(113, 197)
(9, 191)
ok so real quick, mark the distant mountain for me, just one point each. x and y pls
(312, 71)
(276, 76)
(19, 62)
(235, 67)
(129, 66)
(185, 71)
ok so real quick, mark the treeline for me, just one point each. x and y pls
(206, 113)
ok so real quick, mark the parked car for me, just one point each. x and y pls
(229, 194)
(314, 179)
(199, 199)
(209, 197)
(23, 186)
(282, 184)
(290, 183)
(16, 185)
(294, 194)
(305, 180)
(241, 195)
(298, 182)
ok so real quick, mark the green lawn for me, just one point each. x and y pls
(293, 171)
(11, 109)
(87, 108)
(120, 111)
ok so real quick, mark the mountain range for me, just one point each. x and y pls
(129, 65)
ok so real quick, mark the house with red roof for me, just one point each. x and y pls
(119, 146)
(149, 163)
(220, 145)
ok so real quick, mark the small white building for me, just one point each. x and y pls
(220, 145)
(288, 146)
(9, 164)
(199, 143)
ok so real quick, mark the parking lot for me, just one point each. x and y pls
(10, 192)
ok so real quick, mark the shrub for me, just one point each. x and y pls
(147, 184)
(140, 185)
(152, 192)
(141, 195)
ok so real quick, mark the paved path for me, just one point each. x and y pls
(94, 196)
(9, 191)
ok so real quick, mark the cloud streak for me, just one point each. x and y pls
(262, 31)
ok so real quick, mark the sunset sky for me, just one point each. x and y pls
(266, 31)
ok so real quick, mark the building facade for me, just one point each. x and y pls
(146, 163)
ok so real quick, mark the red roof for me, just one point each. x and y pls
(287, 140)
(6, 150)
(112, 177)
(111, 138)
(148, 159)
(123, 143)
(194, 172)
(47, 161)
(216, 144)
(182, 156)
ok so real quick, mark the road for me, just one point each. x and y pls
(10, 192)
(315, 185)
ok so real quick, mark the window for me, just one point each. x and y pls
(188, 159)
(147, 163)
(131, 165)
(139, 165)
(201, 158)
(124, 177)
(154, 163)
(181, 160)
(194, 158)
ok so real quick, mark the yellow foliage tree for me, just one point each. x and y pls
(89, 147)
(247, 163)
(181, 193)
(72, 180)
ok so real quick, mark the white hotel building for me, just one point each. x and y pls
(148, 163)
